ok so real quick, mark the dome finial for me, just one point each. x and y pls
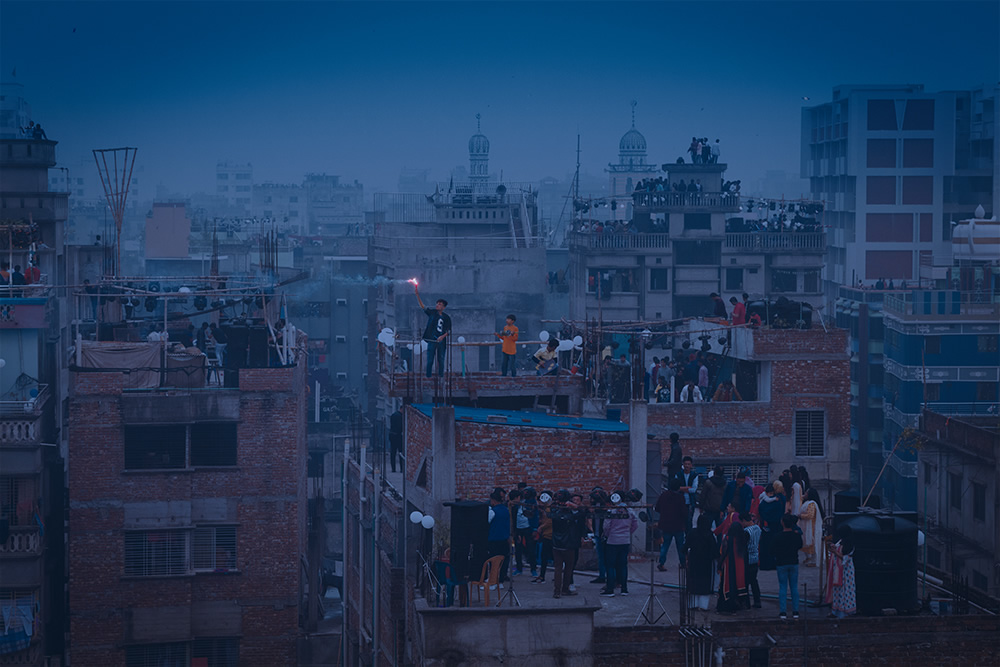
(478, 129)
(634, 103)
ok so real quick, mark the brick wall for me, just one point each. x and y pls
(903, 641)
(418, 444)
(799, 343)
(267, 486)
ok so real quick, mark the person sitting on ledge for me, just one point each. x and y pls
(547, 360)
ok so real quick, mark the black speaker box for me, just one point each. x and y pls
(470, 526)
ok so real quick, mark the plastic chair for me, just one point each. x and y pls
(490, 577)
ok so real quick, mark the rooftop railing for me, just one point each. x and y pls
(619, 241)
(27, 407)
(697, 200)
(776, 242)
(943, 304)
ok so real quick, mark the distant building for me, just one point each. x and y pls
(680, 247)
(168, 231)
(333, 207)
(941, 350)
(897, 165)
(629, 170)
(234, 181)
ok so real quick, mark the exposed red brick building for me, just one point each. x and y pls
(187, 523)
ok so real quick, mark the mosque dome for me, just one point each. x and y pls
(632, 141)
(479, 144)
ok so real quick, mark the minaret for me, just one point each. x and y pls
(479, 159)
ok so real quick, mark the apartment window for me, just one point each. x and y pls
(243, 177)
(697, 221)
(986, 344)
(155, 446)
(928, 473)
(933, 557)
(932, 391)
(810, 433)
(734, 280)
(222, 177)
(18, 500)
(341, 302)
(811, 281)
(881, 153)
(882, 115)
(932, 345)
(213, 548)
(881, 190)
(918, 153)
(216, 651)
(986, 391)
(293, 200)
(783, 280)
(156, 553)
(918, 189)
(341, 339)
(658, 279)
(978, 501)
(213, 444)
(955, 490)
(341, 376)
(918, 115)
(157, 655)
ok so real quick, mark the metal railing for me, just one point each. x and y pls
(772, 242)
(656, 200)
(619, 241)
(29, 407)
(925, 304)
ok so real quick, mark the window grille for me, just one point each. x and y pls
(18, 500)
(157, 655)
(213, 444)
(810, 433)
(155, 446)
(220, 651)
(156, 553)
(214, 548)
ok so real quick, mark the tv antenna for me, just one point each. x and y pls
(114, 166)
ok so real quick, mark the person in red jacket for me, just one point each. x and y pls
(739, 311)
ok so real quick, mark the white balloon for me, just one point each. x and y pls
(390, 341)
(416, 517)
(423, 346)
(461, 339)
(3, 362)
(577, 340)
(427, 522)
(565, 345)
(544, 336)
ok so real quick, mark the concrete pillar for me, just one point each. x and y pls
(638, 411)
(443, 457)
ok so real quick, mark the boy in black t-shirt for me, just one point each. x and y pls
(436, 333)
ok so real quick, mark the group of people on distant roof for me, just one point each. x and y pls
(703, 152)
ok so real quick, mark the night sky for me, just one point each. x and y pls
(363, 89)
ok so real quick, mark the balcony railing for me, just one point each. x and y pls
(22, 541)
(944, 304)
(691, 200)
(771, 242)
(30, 406)
(18, 432)
(620, 241)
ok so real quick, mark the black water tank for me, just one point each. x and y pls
(885, 560)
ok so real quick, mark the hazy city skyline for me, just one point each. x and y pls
(365, 89)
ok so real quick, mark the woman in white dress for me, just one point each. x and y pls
(811, 523)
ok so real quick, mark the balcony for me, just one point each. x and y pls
(767, 242)
(944, 305)
(681, 202)
(619, 241)
(28, 153)
(23, 403)
(22, 541)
